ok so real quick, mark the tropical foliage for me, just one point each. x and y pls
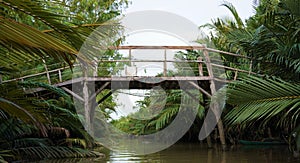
(34, 33)
(261, 106)
(271, 39)
(160, 107)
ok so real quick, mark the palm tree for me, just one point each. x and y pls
(271, 38)
(33, 31)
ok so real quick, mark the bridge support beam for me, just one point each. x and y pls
(215, 106)
(86, 101)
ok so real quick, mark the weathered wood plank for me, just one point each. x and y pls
(198, 47)
(215, 106)
(72, 93)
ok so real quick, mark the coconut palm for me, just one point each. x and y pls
(271, 38)
(32, 125)
(257, 99)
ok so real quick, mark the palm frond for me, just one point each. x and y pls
(18, 111)
(263, 99)
(235, 14)
(77, 141)
(53, 152)
(164, 118)
(22, 39)
(39, 11)
(293, 6)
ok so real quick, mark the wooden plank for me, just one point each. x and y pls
(154, 60)
(230, 68)
(165, 63)
(198, 47)
(126, 79)
(235, 75)
(87, 106)
(59, 76)
(106, 96)
(215, 105)
(69, 82)
(73, 94)
(200, 89)
(47, 72)
(191, 95)
(33, 75)
(227, 53)
(150, 78)
(250, 67)
(200, 66)
(99, 90)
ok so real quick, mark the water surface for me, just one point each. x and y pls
(197, 153)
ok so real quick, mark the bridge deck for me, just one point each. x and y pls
(136, 82)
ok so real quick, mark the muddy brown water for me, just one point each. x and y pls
(197, 153)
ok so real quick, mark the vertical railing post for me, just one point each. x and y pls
(165, 62)
(235, 75)
(200, 66)
(95, 62)
(250, 67)
(0, 79)
(130, 56)
(130, 64)
(87, 110)
(47, 72)
(215, 106)
(22, 80)
(59, 75)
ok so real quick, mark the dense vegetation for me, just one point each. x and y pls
(34, 34)
(266, 106)
(45, 126)
(259, 107)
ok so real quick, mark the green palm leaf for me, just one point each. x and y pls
(26, 43)
(263, 99)
(235, 14)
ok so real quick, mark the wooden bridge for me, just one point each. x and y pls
(55, 76)
(126, 80)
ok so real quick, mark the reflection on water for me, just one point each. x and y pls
(199, 153)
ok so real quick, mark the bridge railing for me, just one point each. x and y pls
(131, 66)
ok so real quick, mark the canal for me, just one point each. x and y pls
(197, 153)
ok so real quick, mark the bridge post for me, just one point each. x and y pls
(165, 62)
(95, 64)
(235, 75)
(250, 66)
(59, 75)
(213, 91)
(87, 110)
(47, 72)
(200, 66)
(129, 55)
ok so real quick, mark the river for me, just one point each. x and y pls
(197, 153)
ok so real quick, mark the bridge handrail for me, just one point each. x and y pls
(197, 47)
(202, 47)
